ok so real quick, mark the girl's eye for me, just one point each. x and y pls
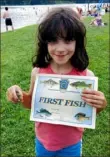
(68, 42)
(53, 42)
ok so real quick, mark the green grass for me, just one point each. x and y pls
(17, 131)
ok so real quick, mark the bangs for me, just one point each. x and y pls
(60, 28)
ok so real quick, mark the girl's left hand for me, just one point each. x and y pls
(94, 98)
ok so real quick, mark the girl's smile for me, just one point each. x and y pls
(61, 51)
(60, 56)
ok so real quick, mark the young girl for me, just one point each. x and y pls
(61, 50)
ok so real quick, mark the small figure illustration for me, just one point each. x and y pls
(82, 84)
(81, 117)
(64, 85)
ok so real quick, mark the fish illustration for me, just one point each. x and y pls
(81, 117)
(80, 84)
(44, 112)
(49, 82)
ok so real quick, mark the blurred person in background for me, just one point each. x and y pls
(8, 20)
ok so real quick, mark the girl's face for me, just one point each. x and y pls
(61, 51)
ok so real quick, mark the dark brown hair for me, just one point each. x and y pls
(63, 23)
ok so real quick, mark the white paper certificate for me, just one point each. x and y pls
(57, 100)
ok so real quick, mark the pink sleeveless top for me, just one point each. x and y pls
(55, 137)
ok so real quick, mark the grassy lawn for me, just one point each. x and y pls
(17, 131)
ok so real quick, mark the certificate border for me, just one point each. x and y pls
(95, 86)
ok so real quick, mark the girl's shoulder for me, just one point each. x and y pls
(90, 73)
(35, 71)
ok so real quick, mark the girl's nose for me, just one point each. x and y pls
(60, 52)
(60, 49)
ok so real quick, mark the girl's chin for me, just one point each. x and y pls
(61, 62)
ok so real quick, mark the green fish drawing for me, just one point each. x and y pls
(49, 82)
(81, 117)
(44, 112)
(82, 84)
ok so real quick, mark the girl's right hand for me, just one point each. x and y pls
(14, 94)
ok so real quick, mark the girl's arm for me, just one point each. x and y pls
(27, 96)
(15, 94)
(94, 98)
